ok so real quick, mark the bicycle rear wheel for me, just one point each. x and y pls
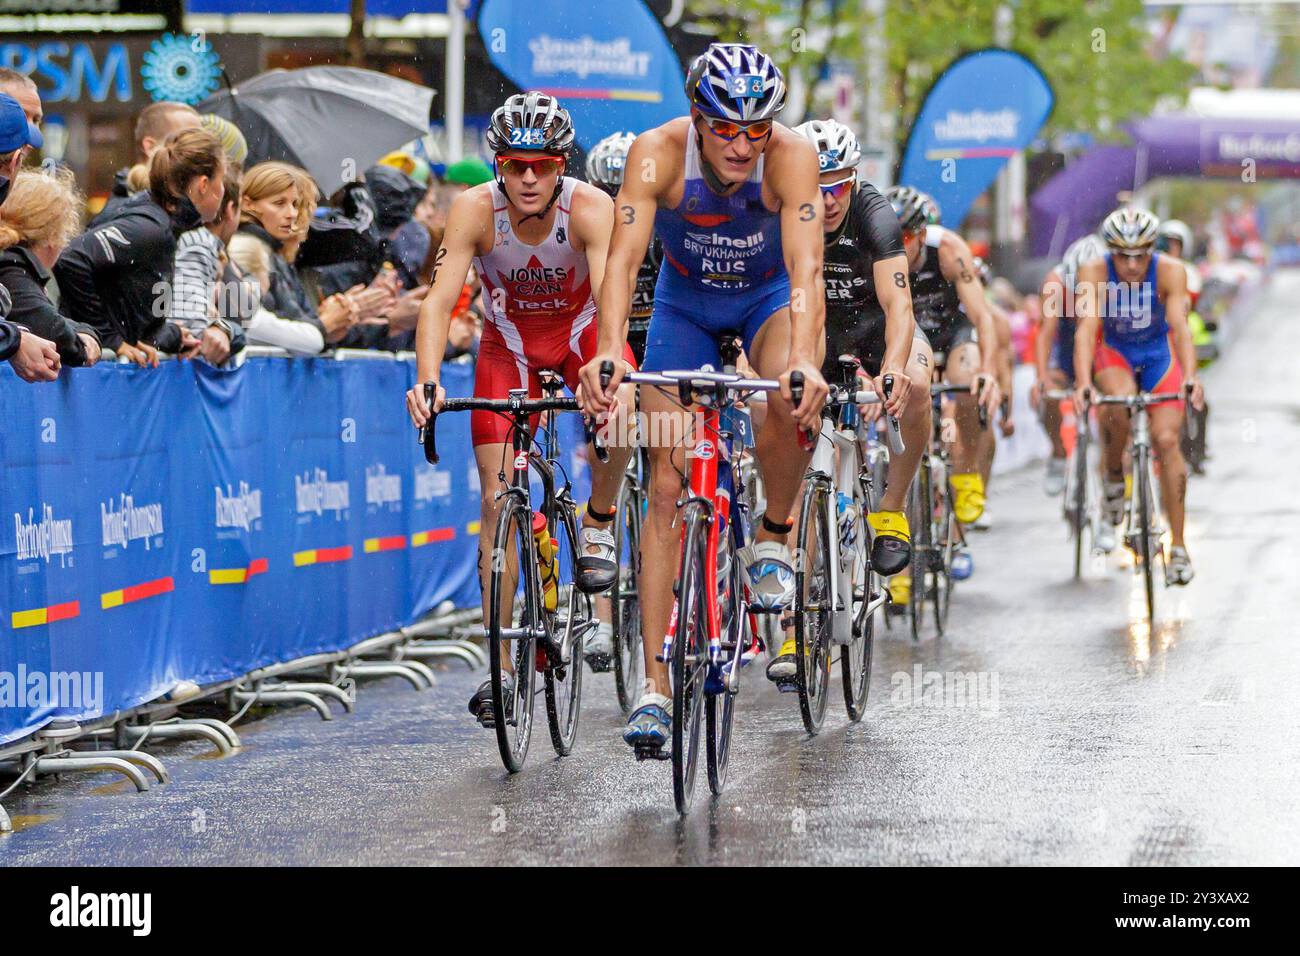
(855, 658)
(1079, 493)
(689, 664)
(513, 545)
(568, 628)
(922, 522)
(813, 603)
(629, 660)
(946, 540)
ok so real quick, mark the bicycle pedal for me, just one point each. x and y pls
(599, 663)
(788, 686)
(652, 753)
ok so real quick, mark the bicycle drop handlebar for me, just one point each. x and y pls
(937, 391)
(516, 406)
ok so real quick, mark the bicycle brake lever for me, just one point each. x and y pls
(428, 434)
(893, 432)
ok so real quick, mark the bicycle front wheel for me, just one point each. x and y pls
(855, 659)
(923, 522)
(1146, 539)
(513, 560)
(813, 604)
(720, 714)
(1079, 499)
(629, 660)
(567, 629)
(689, 665)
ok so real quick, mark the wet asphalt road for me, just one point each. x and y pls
(1090, 739)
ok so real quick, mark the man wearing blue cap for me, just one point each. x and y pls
(33, 358)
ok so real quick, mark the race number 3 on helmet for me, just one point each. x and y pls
(1130, 228)
(736, 82)
(531, 122)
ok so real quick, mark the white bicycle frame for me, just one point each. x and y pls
(838, 459)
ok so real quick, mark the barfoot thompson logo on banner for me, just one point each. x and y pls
(1260, 146)
(977, 125)
(52, 690)
(238, 509)
(431, 483)
(128, 522)
(381, 487)
(585, 56)
(44, 538)
(316, 494)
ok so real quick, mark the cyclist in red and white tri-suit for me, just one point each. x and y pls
(538, 241)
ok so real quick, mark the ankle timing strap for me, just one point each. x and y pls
(772, 527)
(595, 515)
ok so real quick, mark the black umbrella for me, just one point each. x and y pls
(333, 121)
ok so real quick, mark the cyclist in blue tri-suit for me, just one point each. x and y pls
(735, 199)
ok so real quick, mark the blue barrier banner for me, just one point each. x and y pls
(610, 64)
(984, 108)
(191, 523)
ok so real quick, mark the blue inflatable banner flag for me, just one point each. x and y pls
(984, 108)
(609, 64)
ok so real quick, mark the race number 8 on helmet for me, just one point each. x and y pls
(1130, 228)
(607, 159)
(531, 122)
(911, 206)
(837, 147)
(736, 82)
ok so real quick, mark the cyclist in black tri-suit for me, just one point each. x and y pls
(869, 316)
(605, 165)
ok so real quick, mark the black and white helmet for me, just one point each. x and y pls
(1086, 249)
(910, 205)
(1175, 229)
(837, 147)
(606, 160)
(1130, 228)
(737, 82)
(531, 121)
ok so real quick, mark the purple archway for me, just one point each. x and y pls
(1075, 200)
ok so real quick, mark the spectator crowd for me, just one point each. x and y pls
(199, 255)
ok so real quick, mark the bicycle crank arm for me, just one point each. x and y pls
(517, 633)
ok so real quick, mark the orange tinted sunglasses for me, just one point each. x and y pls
(540, 165)
(725, 129)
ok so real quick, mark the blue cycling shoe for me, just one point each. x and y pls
(963, 566)
(650, 725)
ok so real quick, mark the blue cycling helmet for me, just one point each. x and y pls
(736, 82)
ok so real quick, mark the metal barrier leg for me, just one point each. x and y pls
(137, 757)
(458, 650)
(321, 689)
(285, 697)
(403, 669)
(92, 762)
(221, 727)
(182, 728)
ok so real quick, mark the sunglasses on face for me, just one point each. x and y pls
(540, 165)
(725, 129)
(1131, 256)
(840, 188)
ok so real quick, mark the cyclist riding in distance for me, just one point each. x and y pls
(869, 316)
(606, 166)
(950, 307)
(735, 199)
(1054, 357)
(1137, 300)
(537, 239)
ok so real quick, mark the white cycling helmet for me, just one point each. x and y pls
(606, 160)
(837, 147)
(1130, 228)
(1176, 229)
(1083, 250)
